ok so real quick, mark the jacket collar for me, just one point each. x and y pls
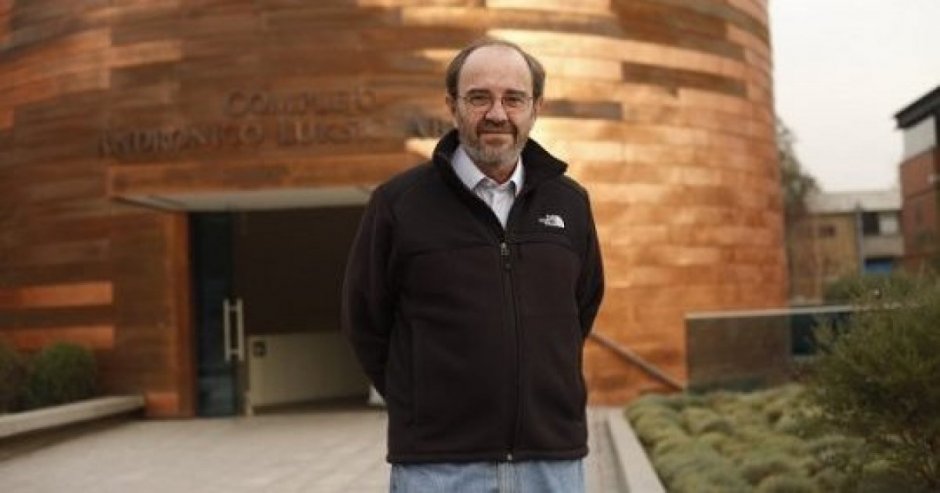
(539, 164)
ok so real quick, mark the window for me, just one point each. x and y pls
(888, 223)
(870, 223)
(880, 223)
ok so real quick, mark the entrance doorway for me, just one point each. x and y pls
(267, 297)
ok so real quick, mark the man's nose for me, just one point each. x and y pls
(496, 112)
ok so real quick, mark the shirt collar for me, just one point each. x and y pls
(471, 176)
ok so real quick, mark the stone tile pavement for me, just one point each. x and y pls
(310, 451)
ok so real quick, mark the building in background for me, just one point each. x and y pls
(181, 179)
(844, 234)
(920, 173)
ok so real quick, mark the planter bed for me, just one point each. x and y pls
(744, 442)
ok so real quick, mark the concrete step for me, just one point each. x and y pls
(52, 417)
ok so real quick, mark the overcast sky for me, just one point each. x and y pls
(842, 69)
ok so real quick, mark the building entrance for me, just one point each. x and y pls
(267, 294)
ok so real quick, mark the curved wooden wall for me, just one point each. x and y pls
(663, 108)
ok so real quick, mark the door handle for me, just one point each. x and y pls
(233, 349)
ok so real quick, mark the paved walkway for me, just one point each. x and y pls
(335, 451)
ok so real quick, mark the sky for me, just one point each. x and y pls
(842, 69)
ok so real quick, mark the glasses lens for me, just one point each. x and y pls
(514, 101)
(509, 101)
(479, 100)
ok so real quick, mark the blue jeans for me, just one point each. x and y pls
(563, 476)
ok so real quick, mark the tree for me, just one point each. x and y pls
(876, 377)
(797, 185)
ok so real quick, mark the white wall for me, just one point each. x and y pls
(300, 367)
(920, 137)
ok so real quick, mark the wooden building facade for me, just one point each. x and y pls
(159, 157)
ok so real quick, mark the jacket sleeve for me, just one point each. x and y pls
(591, 280)
(367, 301)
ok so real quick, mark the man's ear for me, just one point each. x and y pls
(452, 107)
(451, 104)
(537, 106)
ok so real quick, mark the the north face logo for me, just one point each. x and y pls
(552, 220)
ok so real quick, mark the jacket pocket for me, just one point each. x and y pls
(554, 397)
(461, 382)
(546, 270)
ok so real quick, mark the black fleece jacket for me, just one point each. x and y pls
(474, 334)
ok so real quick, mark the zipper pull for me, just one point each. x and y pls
(504, 252)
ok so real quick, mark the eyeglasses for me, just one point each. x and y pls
(481, 101)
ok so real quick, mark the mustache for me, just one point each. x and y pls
(504, 127)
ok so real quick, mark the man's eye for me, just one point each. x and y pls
(479, 100)
(513, 101)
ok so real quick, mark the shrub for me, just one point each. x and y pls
(781, 403)
(850, 288)
(643, 409)
(783, 443)
(881, 476)
(653, 429)
(698, 468)
(699, 420)
(710, 481)
(763, 464)
(653, 400)
(876, 378)
(834, 450)
(760, 449)
(670, 443)
(788, 483)
(60, 373)
(789, 422)
(831, 480)
(713, 439)
(12, 378)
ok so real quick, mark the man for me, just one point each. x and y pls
(470, 288)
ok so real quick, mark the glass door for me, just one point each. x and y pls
(218, 316)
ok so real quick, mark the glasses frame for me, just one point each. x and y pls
(524, 99)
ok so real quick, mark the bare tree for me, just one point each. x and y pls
(797, 184)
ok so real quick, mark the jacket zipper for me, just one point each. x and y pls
(513, 322)
(511, 315)
(506, 261)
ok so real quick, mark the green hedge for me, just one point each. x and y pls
(12, 378)
(59, 373)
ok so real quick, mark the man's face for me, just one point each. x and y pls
(494, 134)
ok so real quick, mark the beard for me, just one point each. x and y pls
(490, 155)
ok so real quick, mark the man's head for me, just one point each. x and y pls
(494, 92)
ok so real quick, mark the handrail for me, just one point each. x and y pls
(636, 360)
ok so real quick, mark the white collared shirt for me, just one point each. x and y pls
(499, 197)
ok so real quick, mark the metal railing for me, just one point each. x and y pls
(636, 360)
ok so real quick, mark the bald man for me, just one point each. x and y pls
(471, 286)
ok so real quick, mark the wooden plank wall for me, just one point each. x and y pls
(685, 186)
(663, 108)
(77, 266)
